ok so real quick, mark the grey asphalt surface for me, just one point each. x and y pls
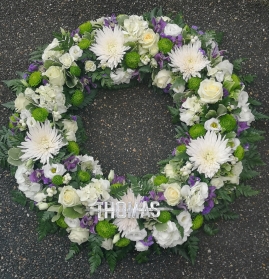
(130, 131)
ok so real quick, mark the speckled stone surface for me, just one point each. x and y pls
(130, 131)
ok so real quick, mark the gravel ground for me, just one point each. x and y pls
(129, 131)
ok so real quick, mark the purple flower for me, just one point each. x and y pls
(25, 76)
(194, 27)
(225, 92)
(89, 223)
(136, 74)
(111, 21)
(36, 175)
(45, 81)
(182, 205)
(241, 126)
(167, 88)
(201, 32)
(148, 242)
(74, 117)
(156, 196)
(193, 180)
(118, 179)
(158, 26)
(216, 52)
(87, 83)
(160, 58)
(184, 140)
(71, 163)
(202, 51)
(246, 146)
(32, 67)
(74, 32)
(174, 152)
(209, 202)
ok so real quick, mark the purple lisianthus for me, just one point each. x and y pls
(118, 179)
(225, 92)
(32, 67)
(241, 126)
(202, 51)
(156, 196)
(158, 26)
(25, 76)
(36, 175)
(193, 180)
(74, 32)
(148, 242)
(136, 74)
(194, 27)
(110, 21)
(74, 117)
(182, 205)
(184, 140)
(246, 146)
(89, 223)
(209, 202)
(87, 83)
(160, 58)
(167, 88)
(71, 163)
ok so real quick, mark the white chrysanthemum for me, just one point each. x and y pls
(188, 60)
(208, 153)
(109, 46)
(127, 225)
(42, 142)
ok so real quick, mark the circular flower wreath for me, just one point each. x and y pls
(215, 143)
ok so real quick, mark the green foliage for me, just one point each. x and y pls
(247, 79)
(220, 211)
(95, 252)
(259, 115)
(192, 245)
(118, 192)
(15, 85)
(65, 42)
(238, 64)
(73, 250)
(37, 54)
(245, 190)
(111, 258)
(47, 215)
(251, 135)
(134, 184)
(142, 257)
(210, 230)
(45, 226)
(9, 105)
(19, 197)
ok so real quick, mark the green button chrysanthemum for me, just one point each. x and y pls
(75, 71)
(164, 217)
(85, 27)
(160, 179)
(84, 43)
(227, 122)
(57, 180)
(105, 229)
(84, 176)
(77, 98)
(35, 78)
(165, 45)
(239, 153)
(123, 242)
(181, 148)
(40, 114)
(197, 130)
(73, 147)
(132, 59)
(194, 83)
(197, 222)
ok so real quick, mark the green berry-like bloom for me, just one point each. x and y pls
(57, 180)
(164, 217)
(77, 98)
(85, 27)
(165, 45)
(132, 59)
(84, 43)
(105, 229)
(160, 179)
(40, 114)
(61, 223)
(181, 148)
(35, 78)
(227, 122)
(197, 130)
(84, 176)
(194, 83)
(239, 152)
(197, 222)
(75, 71)
(123, 242)
(73, 147)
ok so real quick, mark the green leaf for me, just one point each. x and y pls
(142, 257)
(47, 215)
(145, 69)
(19, 197)
(245, 190)
(161, 227)
(71, 213)
(73, 250)
(238, 64)
(111, 258)
(80, 209)
(9, 105)
(55, 208)
(95, 254)
(221, 110)
(193, 248)
(210, 230)
(211, 114)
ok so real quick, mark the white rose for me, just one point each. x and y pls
(136, 234)
(54, 169)
(140, 247)
(154, 49)
(21, 102)
(90, 66)
(210, 91)
(55, 75)
(168, 238)
(78, 235)
(172, 30)
(72, 223)
(172, 193)
(75, 52)
(67, 60)
(162, 79)
(148, 38)
(68, 197)
(107, 244)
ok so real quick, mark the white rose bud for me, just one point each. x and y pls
(162, 79)
(78, 235)
(67, 60)
(55, 75)
(90, 66)
(172, 193)
(210, 91)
